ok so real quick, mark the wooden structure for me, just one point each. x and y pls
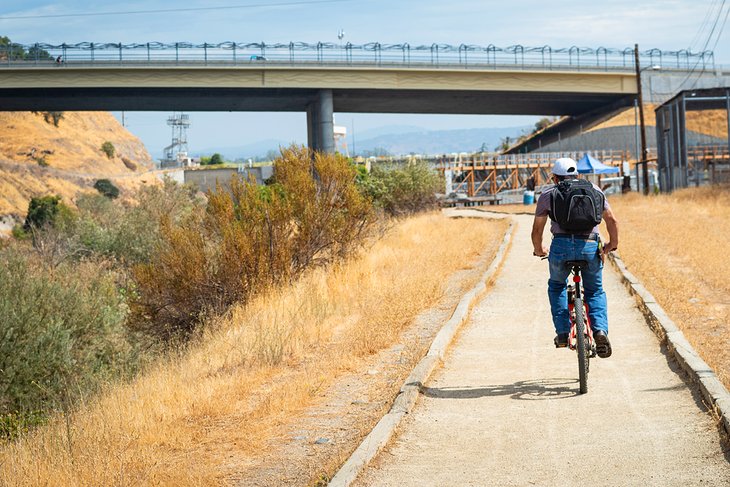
(489, 174)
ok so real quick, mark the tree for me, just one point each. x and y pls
(212, 160)
(14, 51)
(542, 124)
(107, 188)
(36, 53)
(216, 159)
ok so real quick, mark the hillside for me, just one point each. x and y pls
(38, 158)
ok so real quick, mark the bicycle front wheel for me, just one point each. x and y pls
(582, 344)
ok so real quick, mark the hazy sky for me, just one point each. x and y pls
(665, 24)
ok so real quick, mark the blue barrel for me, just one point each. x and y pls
(528, 198)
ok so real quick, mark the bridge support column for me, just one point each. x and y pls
(320, 123)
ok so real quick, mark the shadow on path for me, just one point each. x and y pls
(523, 390)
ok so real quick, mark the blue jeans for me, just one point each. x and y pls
(562, 250)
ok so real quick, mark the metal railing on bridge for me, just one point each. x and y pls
(370, 54)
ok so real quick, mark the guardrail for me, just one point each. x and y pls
(373, 53)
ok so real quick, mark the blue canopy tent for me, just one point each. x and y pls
(590, 165)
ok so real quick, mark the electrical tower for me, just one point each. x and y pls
(177, 151)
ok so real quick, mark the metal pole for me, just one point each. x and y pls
(645, 169)
(683, 139)
(636, 130)
(727, 112)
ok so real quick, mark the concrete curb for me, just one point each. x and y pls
(700, 374)
(408, 394)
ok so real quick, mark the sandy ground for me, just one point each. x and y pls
(504, 410)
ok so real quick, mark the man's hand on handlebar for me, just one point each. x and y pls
(540, 252)
(609, 247)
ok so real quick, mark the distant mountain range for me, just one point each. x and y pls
(439, 141)
(395, 139)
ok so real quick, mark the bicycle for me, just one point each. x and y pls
(580, 337)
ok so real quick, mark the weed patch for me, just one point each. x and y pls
(198, 415)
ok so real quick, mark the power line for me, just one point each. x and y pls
(171, 10)
(704, 48)
(722, 27)
(708, 15)
(709, 38)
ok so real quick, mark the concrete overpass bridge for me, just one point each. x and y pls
(585, 84)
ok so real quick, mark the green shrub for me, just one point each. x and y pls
(108, 149)
(63, 304)
(61, 333)
(106, 188)
(129, 233)
(250, 238)
(403, 190)
(42, 211)
(212, 160)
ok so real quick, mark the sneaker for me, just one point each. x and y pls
(603, 346)
(561, 340)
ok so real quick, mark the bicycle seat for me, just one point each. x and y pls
(581, 264)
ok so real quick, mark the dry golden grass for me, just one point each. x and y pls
(73, 156)
(627, 117)
(199, 417)
(677, 246)
(709, 122)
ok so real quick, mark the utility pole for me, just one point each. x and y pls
(645, 167)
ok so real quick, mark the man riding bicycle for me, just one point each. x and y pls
(579, 242)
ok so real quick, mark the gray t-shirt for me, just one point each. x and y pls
(543, 209)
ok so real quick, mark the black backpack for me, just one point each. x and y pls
(577, 206)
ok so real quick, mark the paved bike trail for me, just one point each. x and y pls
(504, 409)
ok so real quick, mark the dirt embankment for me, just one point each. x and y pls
(708, 122)
(39, 158)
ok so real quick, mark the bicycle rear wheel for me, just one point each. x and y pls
(582, 344)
